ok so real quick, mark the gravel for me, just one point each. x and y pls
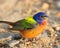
(13, 10)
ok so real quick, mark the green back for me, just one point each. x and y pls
(27, 23)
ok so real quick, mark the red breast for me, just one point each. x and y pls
(33, 32)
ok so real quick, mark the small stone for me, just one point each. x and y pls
(57, 14)
(13, 43)
(27, 43)
(48, 12)
(6, 46)
(2, 30)
(56, 35)
(9, 38)
(51, 44)
(25, 39)
(3, 40)
(51, 6)
(22, 46)
(45, 6)
(55, 46)
(58, 4)
(15, 47)
(57, 28)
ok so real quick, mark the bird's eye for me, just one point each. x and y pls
(41, 16)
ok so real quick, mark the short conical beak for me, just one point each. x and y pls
(44, 17)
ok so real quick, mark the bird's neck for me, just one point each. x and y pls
(38, 19)
(31, 20)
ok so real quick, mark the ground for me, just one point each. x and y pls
(13, 10)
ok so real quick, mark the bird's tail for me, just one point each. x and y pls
(10, 23)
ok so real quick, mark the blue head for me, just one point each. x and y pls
(39, 17)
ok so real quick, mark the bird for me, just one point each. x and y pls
(30, 26)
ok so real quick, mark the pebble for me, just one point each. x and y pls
(57, 14)
(3, 40)
(48, 12)
(45, 41)
(45, 6)
(55, 46)
(58, 4)
(22, 46)
(13, 43)
(15, 47)
(27, 43)
(57, 28)
(2, 30)
(9, 38)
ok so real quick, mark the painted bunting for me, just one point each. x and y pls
(31, 26)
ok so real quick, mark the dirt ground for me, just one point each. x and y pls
(14, 10)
